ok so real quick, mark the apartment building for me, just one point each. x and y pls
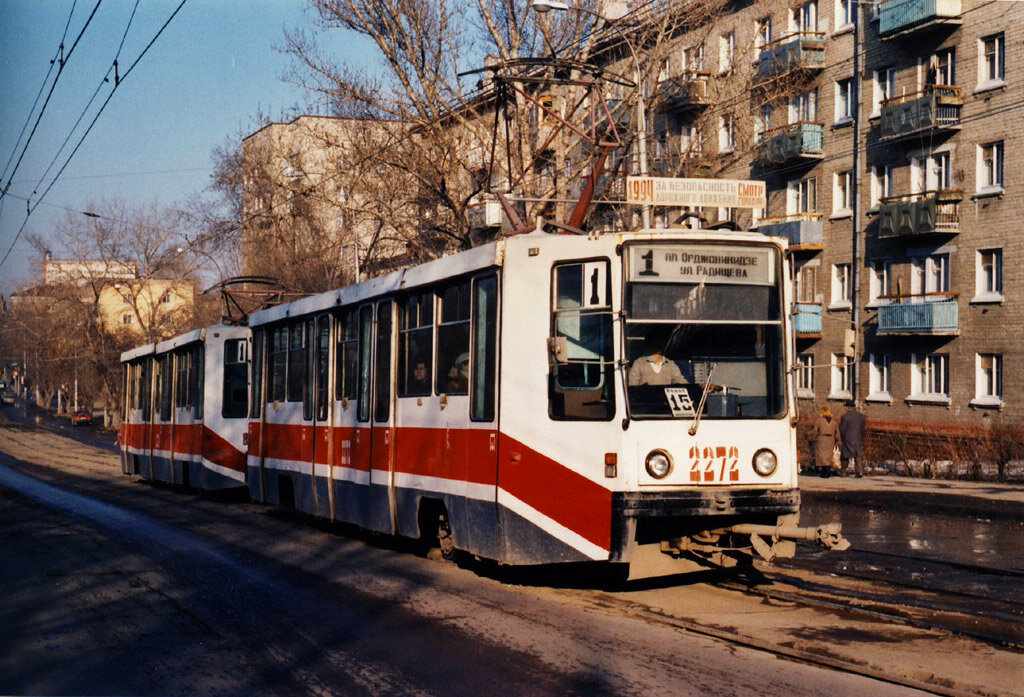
(892, 154)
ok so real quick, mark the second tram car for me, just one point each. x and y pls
(543, 399)
(186, 409)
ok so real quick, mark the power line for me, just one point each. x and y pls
(93, 123)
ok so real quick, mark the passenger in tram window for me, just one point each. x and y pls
(419, 382)
(653, 368)
(458, 375)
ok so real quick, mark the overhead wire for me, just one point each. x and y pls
(67, 161)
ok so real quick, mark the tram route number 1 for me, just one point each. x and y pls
(714, 464)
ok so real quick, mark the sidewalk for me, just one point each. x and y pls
(992, 491)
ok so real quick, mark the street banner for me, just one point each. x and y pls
(725, 193)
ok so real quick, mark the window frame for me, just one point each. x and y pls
(842, 286)
(845, 101)
(879, 377)
(988, 286)
(929, 371)
(841, 385)
(990, 170)
(988, 385)
(991, 61)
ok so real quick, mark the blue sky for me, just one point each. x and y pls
(203, 81)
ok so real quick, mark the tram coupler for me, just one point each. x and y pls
(829, 536)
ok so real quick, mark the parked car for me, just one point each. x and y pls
(81, 417)
(8, 398)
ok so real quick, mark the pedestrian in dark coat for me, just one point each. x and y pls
(851, 433)
(824, 438)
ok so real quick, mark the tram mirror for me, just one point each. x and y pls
(558, 349)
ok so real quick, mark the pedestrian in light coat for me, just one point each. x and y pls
(824, 438)
(851, 431)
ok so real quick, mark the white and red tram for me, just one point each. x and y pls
(489, 398)
(186, 409)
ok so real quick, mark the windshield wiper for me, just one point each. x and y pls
(703, 399)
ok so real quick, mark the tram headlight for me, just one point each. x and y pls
(765, 462)
(658, 464)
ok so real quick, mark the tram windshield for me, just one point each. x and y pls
(704, 323)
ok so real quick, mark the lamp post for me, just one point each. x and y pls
(545, 6)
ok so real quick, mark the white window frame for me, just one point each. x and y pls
(726, 52)
(988, 380)
(883, 87)
(844, 14)
(804, 107)
(932, 172)
(991, 61)
(842, 194)
(845, 98)
(880, 282)
(805, 376)
(763, 120)
(694, 59)
(943, 62)
(842, 377)
(879, 377)
(990, 168)
(805, 281)
(842, 286)
(762, 32)
(804, 17)
(881, 183)
(726, 133)
(929, 378)
(802, 196)
(988, 274)
(930, 274)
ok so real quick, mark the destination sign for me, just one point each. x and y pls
(676, 263)
(667, 191)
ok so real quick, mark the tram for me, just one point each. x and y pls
(622, 397)
(186, 409)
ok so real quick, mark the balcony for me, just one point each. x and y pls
(802, 51)
(897, 17)
(688, 91)
(927, 213)
(805, 231)
(934, 109)
(796, 141)
(918, 315)
(807, 320)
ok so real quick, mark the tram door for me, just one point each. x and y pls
(374, 438)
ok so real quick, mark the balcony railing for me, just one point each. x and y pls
(805, 231)
(925, 213)
(795, 141)
(803, 50)
(901, 16)
(689, 90)
(931, 313)
(807, 320)
(935, 108)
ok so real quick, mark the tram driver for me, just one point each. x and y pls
(653, 368)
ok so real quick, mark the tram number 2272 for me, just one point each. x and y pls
(714, 464)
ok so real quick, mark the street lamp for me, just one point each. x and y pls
(545, 6)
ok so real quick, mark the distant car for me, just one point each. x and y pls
(81, 418)
(8, 398)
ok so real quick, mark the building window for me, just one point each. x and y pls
(881, 183)
(727, 133)
(884, 88)
(802, 196)
(842, 288)
(992, 61)
(880, 281)
(879, 377)
(930, 275)
(805, 17)
(844, 100)
(805, 375)
(842, 194)
(988, 381)
(763, 121)
(844, 13)
(126, 320)
(806, 284)
(988, 270)
(842, 377)
(693, 58)
(931, 377)
(803, 107)
(931, 173)
(942, 68)
(127, 298)
(726, 51)
(990, 167)
(762, 32)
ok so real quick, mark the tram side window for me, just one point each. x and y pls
(145, 390)
(188, 373)
(235, 402)
(296, 362)
(415, 345)
(365, 361)
(323, 357)
(346, 356)
(256, 406)
(307, 370)
(163, 386)
(453, 340)
(382, 395)
(580, 381)
(485, 347)
(278, 366)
